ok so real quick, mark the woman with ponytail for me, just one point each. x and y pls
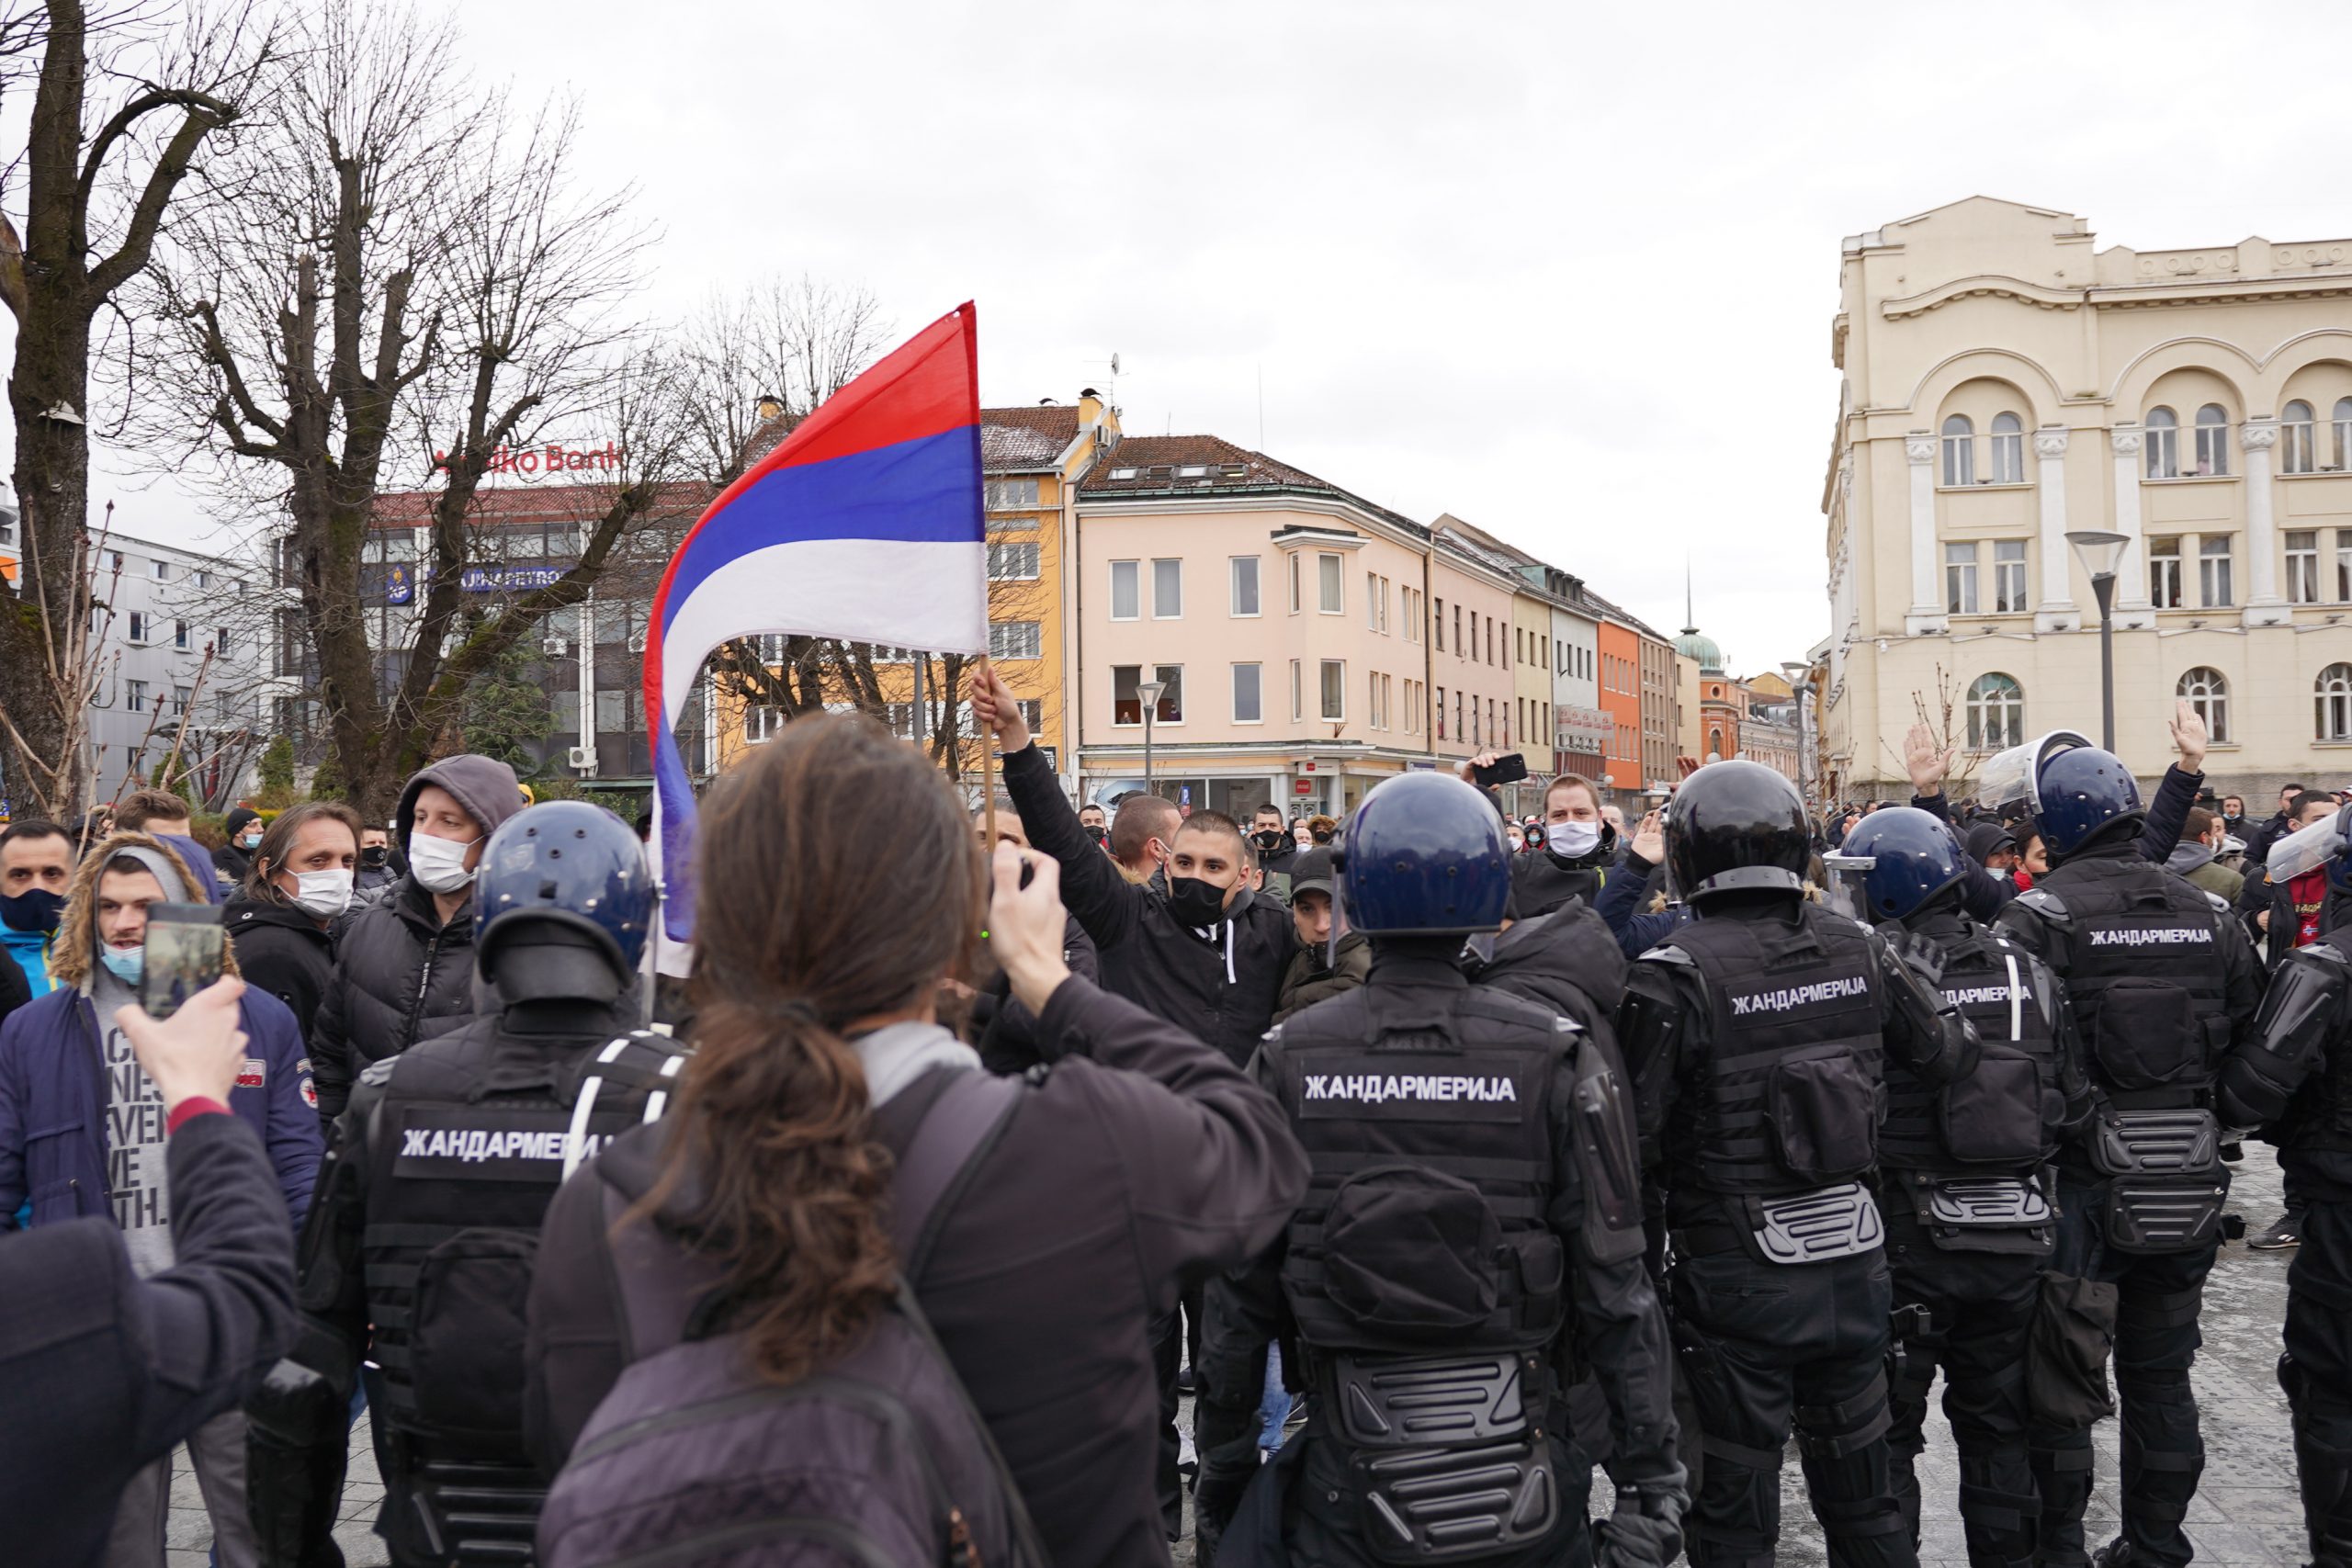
(1134, 1161)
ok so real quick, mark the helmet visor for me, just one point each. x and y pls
(1846, 892)
(2305, 851)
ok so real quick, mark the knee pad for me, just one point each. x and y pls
(1832, 1431)
(2150, 1382)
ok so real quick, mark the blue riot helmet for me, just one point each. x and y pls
(1737, 826)
(1895, 861)
(1424, 855)
(2075, 791)
(563, 903)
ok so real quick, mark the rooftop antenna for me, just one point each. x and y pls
(1113, 363)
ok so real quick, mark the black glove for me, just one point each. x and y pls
(1630, 1538)
(1920, 956)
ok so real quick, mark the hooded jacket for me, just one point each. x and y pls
(400, 975)
(1218, 983)
(53, 1092)
(1310, 979)
(2192, 860)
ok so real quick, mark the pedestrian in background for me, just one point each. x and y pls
(404, 965)
(296, 887)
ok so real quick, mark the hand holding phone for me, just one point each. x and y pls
(183, 949)
(1507, 769)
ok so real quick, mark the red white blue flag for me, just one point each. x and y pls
(866, 525)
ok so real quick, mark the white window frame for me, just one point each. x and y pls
(134, 696)
(1233, 580)
(1330, 583)
(1959, 577)
(179, 636)
(2009, 577)
(2340, 417)
(2207, 691)
(2217, 571)
(2212, 441)
(1295, 571)
(1134, 590)
(1158, 613)
(1372, 601)
(1297, 691)
(2297, 439)
(2331, 702)
(1325, 686)
(2344, 565)
(1996, 714)
(1257, 692)
(1012, 495)
(2167, 589)
(1007, 560)
(2161, 437)
(1957, 441)
(1007, 642)
(2302, 565)
(2008, 449)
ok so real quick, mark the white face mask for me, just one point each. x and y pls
(439, 864)
(1573, 839)
(322, 894)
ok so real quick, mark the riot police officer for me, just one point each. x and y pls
(1473, 1226)
(418, 1249)
(2159, 978)
(1969, 1219)
(1755, 1035)
(2294, 1076)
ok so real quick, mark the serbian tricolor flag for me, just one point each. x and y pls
(865, 526)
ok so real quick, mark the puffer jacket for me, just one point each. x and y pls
(1544, 881)
(285, 952)
(1568, 960)
(399, 976)
(1309, 979)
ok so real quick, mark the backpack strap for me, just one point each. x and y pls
(636, 1059)
(967, 1114)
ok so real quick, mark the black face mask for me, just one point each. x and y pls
(1194, 902)
(37, 911)
(376, 856)
(1270, 839)
(1100, 835)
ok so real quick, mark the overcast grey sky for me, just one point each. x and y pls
(1536, 266)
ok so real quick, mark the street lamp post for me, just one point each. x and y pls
(2102, 553)
(1149, 691)
(1800, 684)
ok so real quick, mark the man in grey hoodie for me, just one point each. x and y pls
(2200, 841)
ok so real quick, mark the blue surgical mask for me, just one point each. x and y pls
(125, 963)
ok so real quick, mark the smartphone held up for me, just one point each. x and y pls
(183, 955)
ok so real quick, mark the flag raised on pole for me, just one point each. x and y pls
(866, 525)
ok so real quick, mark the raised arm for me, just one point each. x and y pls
(2176, 795)
(1106, 904)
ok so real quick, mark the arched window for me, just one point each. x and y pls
(1714, 745)
(2008, 449)
(2164, 443)
(2343, 433)
(2212, 440)
(2332, 697)
(2297, 439)
(1960, 451)
(2208, 691)
(1996, 713)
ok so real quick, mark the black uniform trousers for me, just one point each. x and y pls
(2156, 1338)
(1763, 1347)
(2316, 1372)
(1970, 1314)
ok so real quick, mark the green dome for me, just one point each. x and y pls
(1696, 645)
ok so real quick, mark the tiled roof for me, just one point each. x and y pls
(1157, 463)
(1020, 440)
(511, 505)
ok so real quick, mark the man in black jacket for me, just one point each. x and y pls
(102, 1373)
(1277, 851)
(2277, 826)
(404, 965)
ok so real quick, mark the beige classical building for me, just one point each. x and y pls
(2007, 382)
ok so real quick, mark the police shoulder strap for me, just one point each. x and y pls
(636, 1058)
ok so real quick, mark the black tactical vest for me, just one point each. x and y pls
(2001, 1118)
(458, 1183)
(1431, 1147)
(1787, 1092)
(2146, 979)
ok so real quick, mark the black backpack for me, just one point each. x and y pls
(879, 1459)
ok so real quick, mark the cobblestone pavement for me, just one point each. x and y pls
(2246, 1515)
